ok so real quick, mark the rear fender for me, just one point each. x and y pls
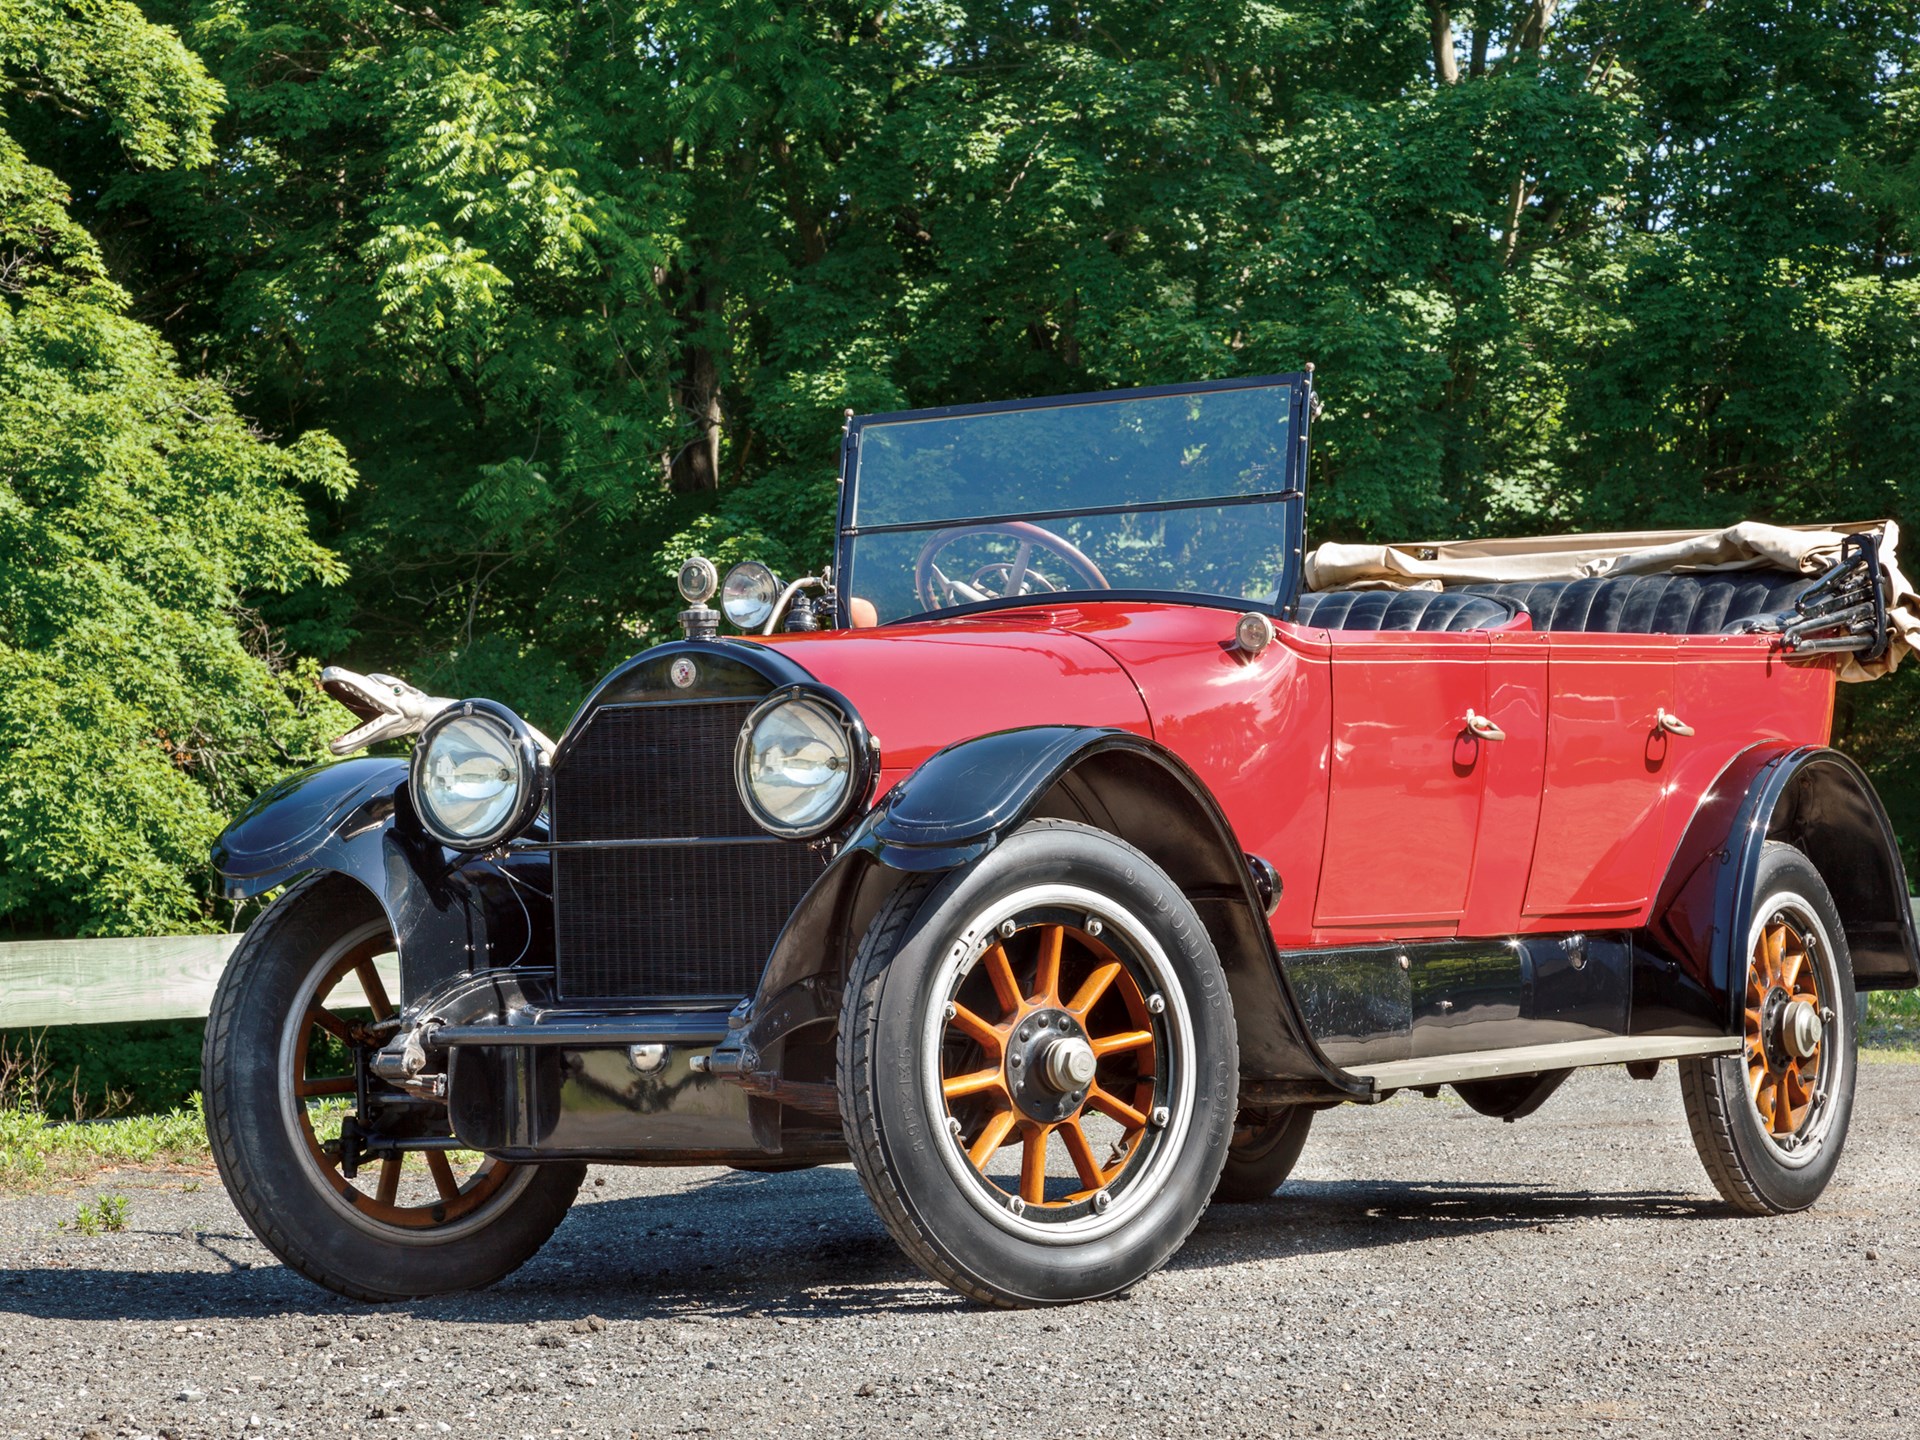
(966, 799)
(1821, 803)
(450, 913)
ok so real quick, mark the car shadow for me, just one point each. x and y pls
(802, 1245)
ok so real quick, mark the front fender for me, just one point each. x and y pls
(966, 798)
(450, 913)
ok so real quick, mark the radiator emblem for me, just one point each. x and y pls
(683, 672)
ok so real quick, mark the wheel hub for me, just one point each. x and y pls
(1050, 1065)
(1800, 1029)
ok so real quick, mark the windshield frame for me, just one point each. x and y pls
(1291, 497)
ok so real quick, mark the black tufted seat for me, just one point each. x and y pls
(1650, 604)
(1428, 610)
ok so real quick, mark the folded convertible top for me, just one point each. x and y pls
(1809, 550)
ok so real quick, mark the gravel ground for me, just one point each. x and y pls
(1427, 1271)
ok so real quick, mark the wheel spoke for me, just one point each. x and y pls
(1756, 1077)
(327, 1085)
(977, 1029)
(1092, 988)
(1125, 1040)
(990, 1139)
(1107, 1103)
(1046, 979)
(1000, 971)
(1033, 1165)
(1790, 969)
(331, 1023)
(374, 989)
(972, 1083)
(389, 1180)
(443, 1180)
(1081, 1149)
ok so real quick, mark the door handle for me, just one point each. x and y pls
(1670, 723)
(1483, 727)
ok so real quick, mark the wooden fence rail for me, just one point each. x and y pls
(97, 982)
(167, 977)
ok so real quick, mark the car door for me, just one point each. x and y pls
(1609, 756)
(1407, 780)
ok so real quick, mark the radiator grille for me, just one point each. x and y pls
(670, 921)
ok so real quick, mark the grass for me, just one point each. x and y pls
(35, 1149)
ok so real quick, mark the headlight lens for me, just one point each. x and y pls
(474, 776)
(795, 765)
(749, 594)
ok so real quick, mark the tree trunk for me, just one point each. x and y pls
(696, 464)
(1446, 66)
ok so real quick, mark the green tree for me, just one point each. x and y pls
(141, 700)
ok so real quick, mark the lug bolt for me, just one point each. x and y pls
(953, 1126)
(952, 1010)
(1159, 1117)
(1008, 929)
(1156, 1005)
(1025, 1031)
(1101, 1202)
(1094, 927)
(1016, 1061)
(1065, 1024)
(1016, 1205)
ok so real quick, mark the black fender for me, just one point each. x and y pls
(968, 797)
(1814, 799)
(451, 913)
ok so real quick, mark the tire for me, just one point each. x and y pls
(1263, 1154)
(959, 1034)
(407, 1226)
(1769, 1124)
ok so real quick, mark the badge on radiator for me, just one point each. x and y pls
(683, 672)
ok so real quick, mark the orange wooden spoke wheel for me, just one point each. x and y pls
(415, 1190)
(1785, 1016)
(1052, 1049)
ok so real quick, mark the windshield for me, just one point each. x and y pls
(1186, 493)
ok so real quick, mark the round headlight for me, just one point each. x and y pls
(476, 775)
(796, 765)
(749, 593)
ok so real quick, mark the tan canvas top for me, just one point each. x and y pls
(1799, 549)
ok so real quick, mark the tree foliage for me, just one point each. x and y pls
(139, 516)
(581, 287)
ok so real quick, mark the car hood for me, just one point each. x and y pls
(923, 686)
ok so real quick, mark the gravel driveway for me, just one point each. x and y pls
(1427, 1271)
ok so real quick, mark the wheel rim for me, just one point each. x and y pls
(419, 1197)
(1793, 1056)
(1048, 984)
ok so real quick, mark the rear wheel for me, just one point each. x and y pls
(1038, 1068)
(370, 1200)
(1769, 1122)
(1266, 1146)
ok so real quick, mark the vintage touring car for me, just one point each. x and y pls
(1057, 853)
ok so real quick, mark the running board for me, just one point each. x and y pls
(1534, 1059)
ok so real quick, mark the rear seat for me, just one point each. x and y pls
(1706, 604)
(1428, 610)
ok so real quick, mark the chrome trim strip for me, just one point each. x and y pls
(1532, 1059)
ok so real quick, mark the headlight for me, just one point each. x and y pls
(800, 764)
(478, 777)
(749, 594)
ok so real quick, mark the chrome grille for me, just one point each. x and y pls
(695, 918)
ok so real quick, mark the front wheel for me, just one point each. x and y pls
(368, 1198)
(1038, 1068)
(1769, 1121)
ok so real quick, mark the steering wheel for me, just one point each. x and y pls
(1018, 576)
